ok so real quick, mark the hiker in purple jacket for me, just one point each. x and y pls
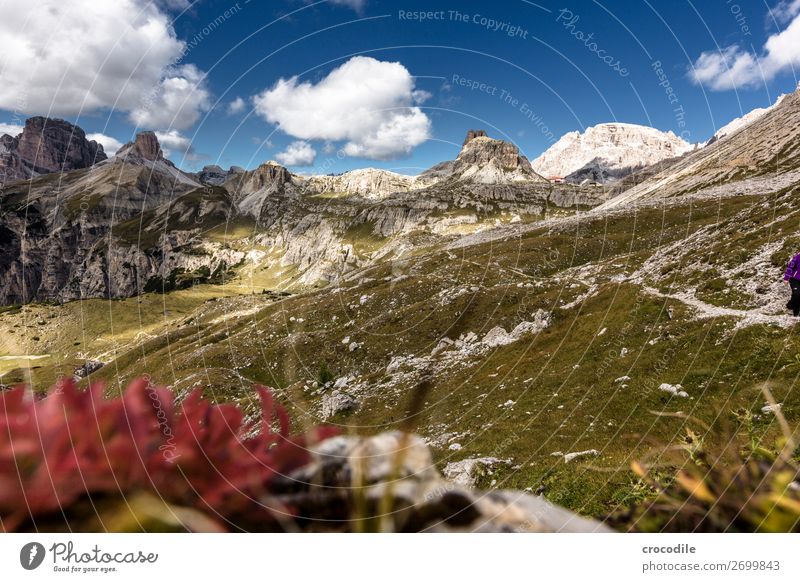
(792, 277)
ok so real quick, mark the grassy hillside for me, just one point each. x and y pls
(680, 293)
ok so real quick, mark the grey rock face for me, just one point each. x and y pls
(90, 367)
(74, 238)
(336, 402)
(472, 134)
(764, 148)
(46, 146)
(215, 175)
(133, 222)
(144, 147)
(466, 473)
(391, 482)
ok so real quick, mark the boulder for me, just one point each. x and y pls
(336, 402)
(89, 367)
(467, 472)
(389, 482)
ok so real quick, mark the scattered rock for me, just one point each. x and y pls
(342, 382)
(572, 456)
(336, 402)
(500, 337)
(443, 344)
(674, 389)
(466, 473)
(89, 367)
(349, 472)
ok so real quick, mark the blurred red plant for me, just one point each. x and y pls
(75, 444)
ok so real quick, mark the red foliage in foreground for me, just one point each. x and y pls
(75, 445)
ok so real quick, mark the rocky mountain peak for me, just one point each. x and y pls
(272, 171)
(145, 146)
(370, 183)
(480, 149)
(46, 146)
(249, 188)
(483, 160)
(472, 134)
(608, 151)
(482, 154)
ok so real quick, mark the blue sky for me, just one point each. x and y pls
(527, 72)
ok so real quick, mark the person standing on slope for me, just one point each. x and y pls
(792, 277)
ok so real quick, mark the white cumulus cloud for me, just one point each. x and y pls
(299, 153)
(64, 58)
(174, 142)
(734, 67)
(110, 144)
(357, 5)
(10, 129)
(369, 104)
(177, 102)
(236, 106)
(785, 10)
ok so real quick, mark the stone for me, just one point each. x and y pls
(336, 402)
(390, 481)
(577, 455)
(89, 367)
(466, 473)
(674, 389)
(770, 408)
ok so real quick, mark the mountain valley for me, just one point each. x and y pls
(562, 331)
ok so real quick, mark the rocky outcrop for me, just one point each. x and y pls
(250, 189)
(483, 161)
(336, 402)
(608, 152)
(144, 147)
(215, 176)
(369, 183)
(741, 122)
(472, 134)
(762, 156)
(391, 483)
(46, 146)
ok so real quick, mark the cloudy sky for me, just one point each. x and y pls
(339, 84)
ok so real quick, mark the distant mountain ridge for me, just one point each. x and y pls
(743, 121)
(765, 150)
(135, 222)
(608, 152)
(46, 146)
